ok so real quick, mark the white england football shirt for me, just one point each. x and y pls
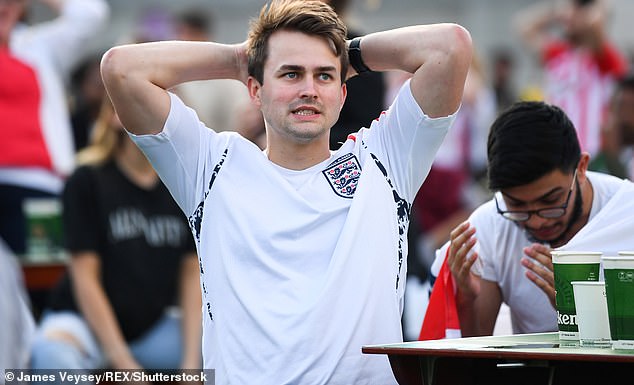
(299, 269)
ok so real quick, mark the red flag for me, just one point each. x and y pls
(441, 318)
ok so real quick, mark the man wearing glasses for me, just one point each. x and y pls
(545, 198)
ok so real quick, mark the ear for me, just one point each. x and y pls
(582, 167)
(344, 94)
(254, 88)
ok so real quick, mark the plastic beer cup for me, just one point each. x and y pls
(592, 312)
(619, 290)
(571, 266)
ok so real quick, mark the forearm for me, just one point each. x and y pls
(169, 63)
(190, 300)
(533, 24)
(76, 24)
(478, 311)
(467, 316)
(96, 309)
(438, 56)
(594, 19)
(408, 48)
(474, 319)
(88, 17)
(137, 76)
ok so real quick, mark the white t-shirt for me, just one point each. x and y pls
(16, 318)
(299, 269)
(500, 243)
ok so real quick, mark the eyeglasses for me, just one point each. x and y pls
(548, 212)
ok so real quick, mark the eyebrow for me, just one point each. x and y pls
(298, 68)
(542, 197)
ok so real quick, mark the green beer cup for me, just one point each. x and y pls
(43, 229)
(571, 266)
(619, 291)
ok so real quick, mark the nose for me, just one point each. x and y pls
(535, 221)
(308, 89)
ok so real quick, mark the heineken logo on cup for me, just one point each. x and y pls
(566, 319)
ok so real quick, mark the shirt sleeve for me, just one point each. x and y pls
(406, 140)
(182, 152)
(66, 37)
(553, 49)
(611, 61)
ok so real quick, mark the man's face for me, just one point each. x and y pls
(582, 21)
(549, 191)
(10, 13)
(302, 93)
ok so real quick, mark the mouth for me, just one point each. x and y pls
(305, 112)
(305, 109)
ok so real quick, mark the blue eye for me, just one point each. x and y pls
(291, 75)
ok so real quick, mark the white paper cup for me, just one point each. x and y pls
(592, 312)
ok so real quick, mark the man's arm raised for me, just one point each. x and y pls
(137, 76)
(438, 56)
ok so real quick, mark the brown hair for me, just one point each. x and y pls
(105, 139)
(311, 17)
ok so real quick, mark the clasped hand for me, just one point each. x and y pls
(462, 256)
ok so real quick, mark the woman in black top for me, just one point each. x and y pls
(133, 267)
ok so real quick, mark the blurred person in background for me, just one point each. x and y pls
(580, 62)
(153, 22)
(87, 93)
(86, 87)
(217, 102)
(131, 298)
(617, 153)
(36, 143)
(250, 124)
(503, 71)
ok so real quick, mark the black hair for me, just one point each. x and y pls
(528, 141)
(626, 82)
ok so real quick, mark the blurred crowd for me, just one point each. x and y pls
(56, 119)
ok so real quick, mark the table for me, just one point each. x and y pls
(39, 278)
(42, 275)
(533, 359)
